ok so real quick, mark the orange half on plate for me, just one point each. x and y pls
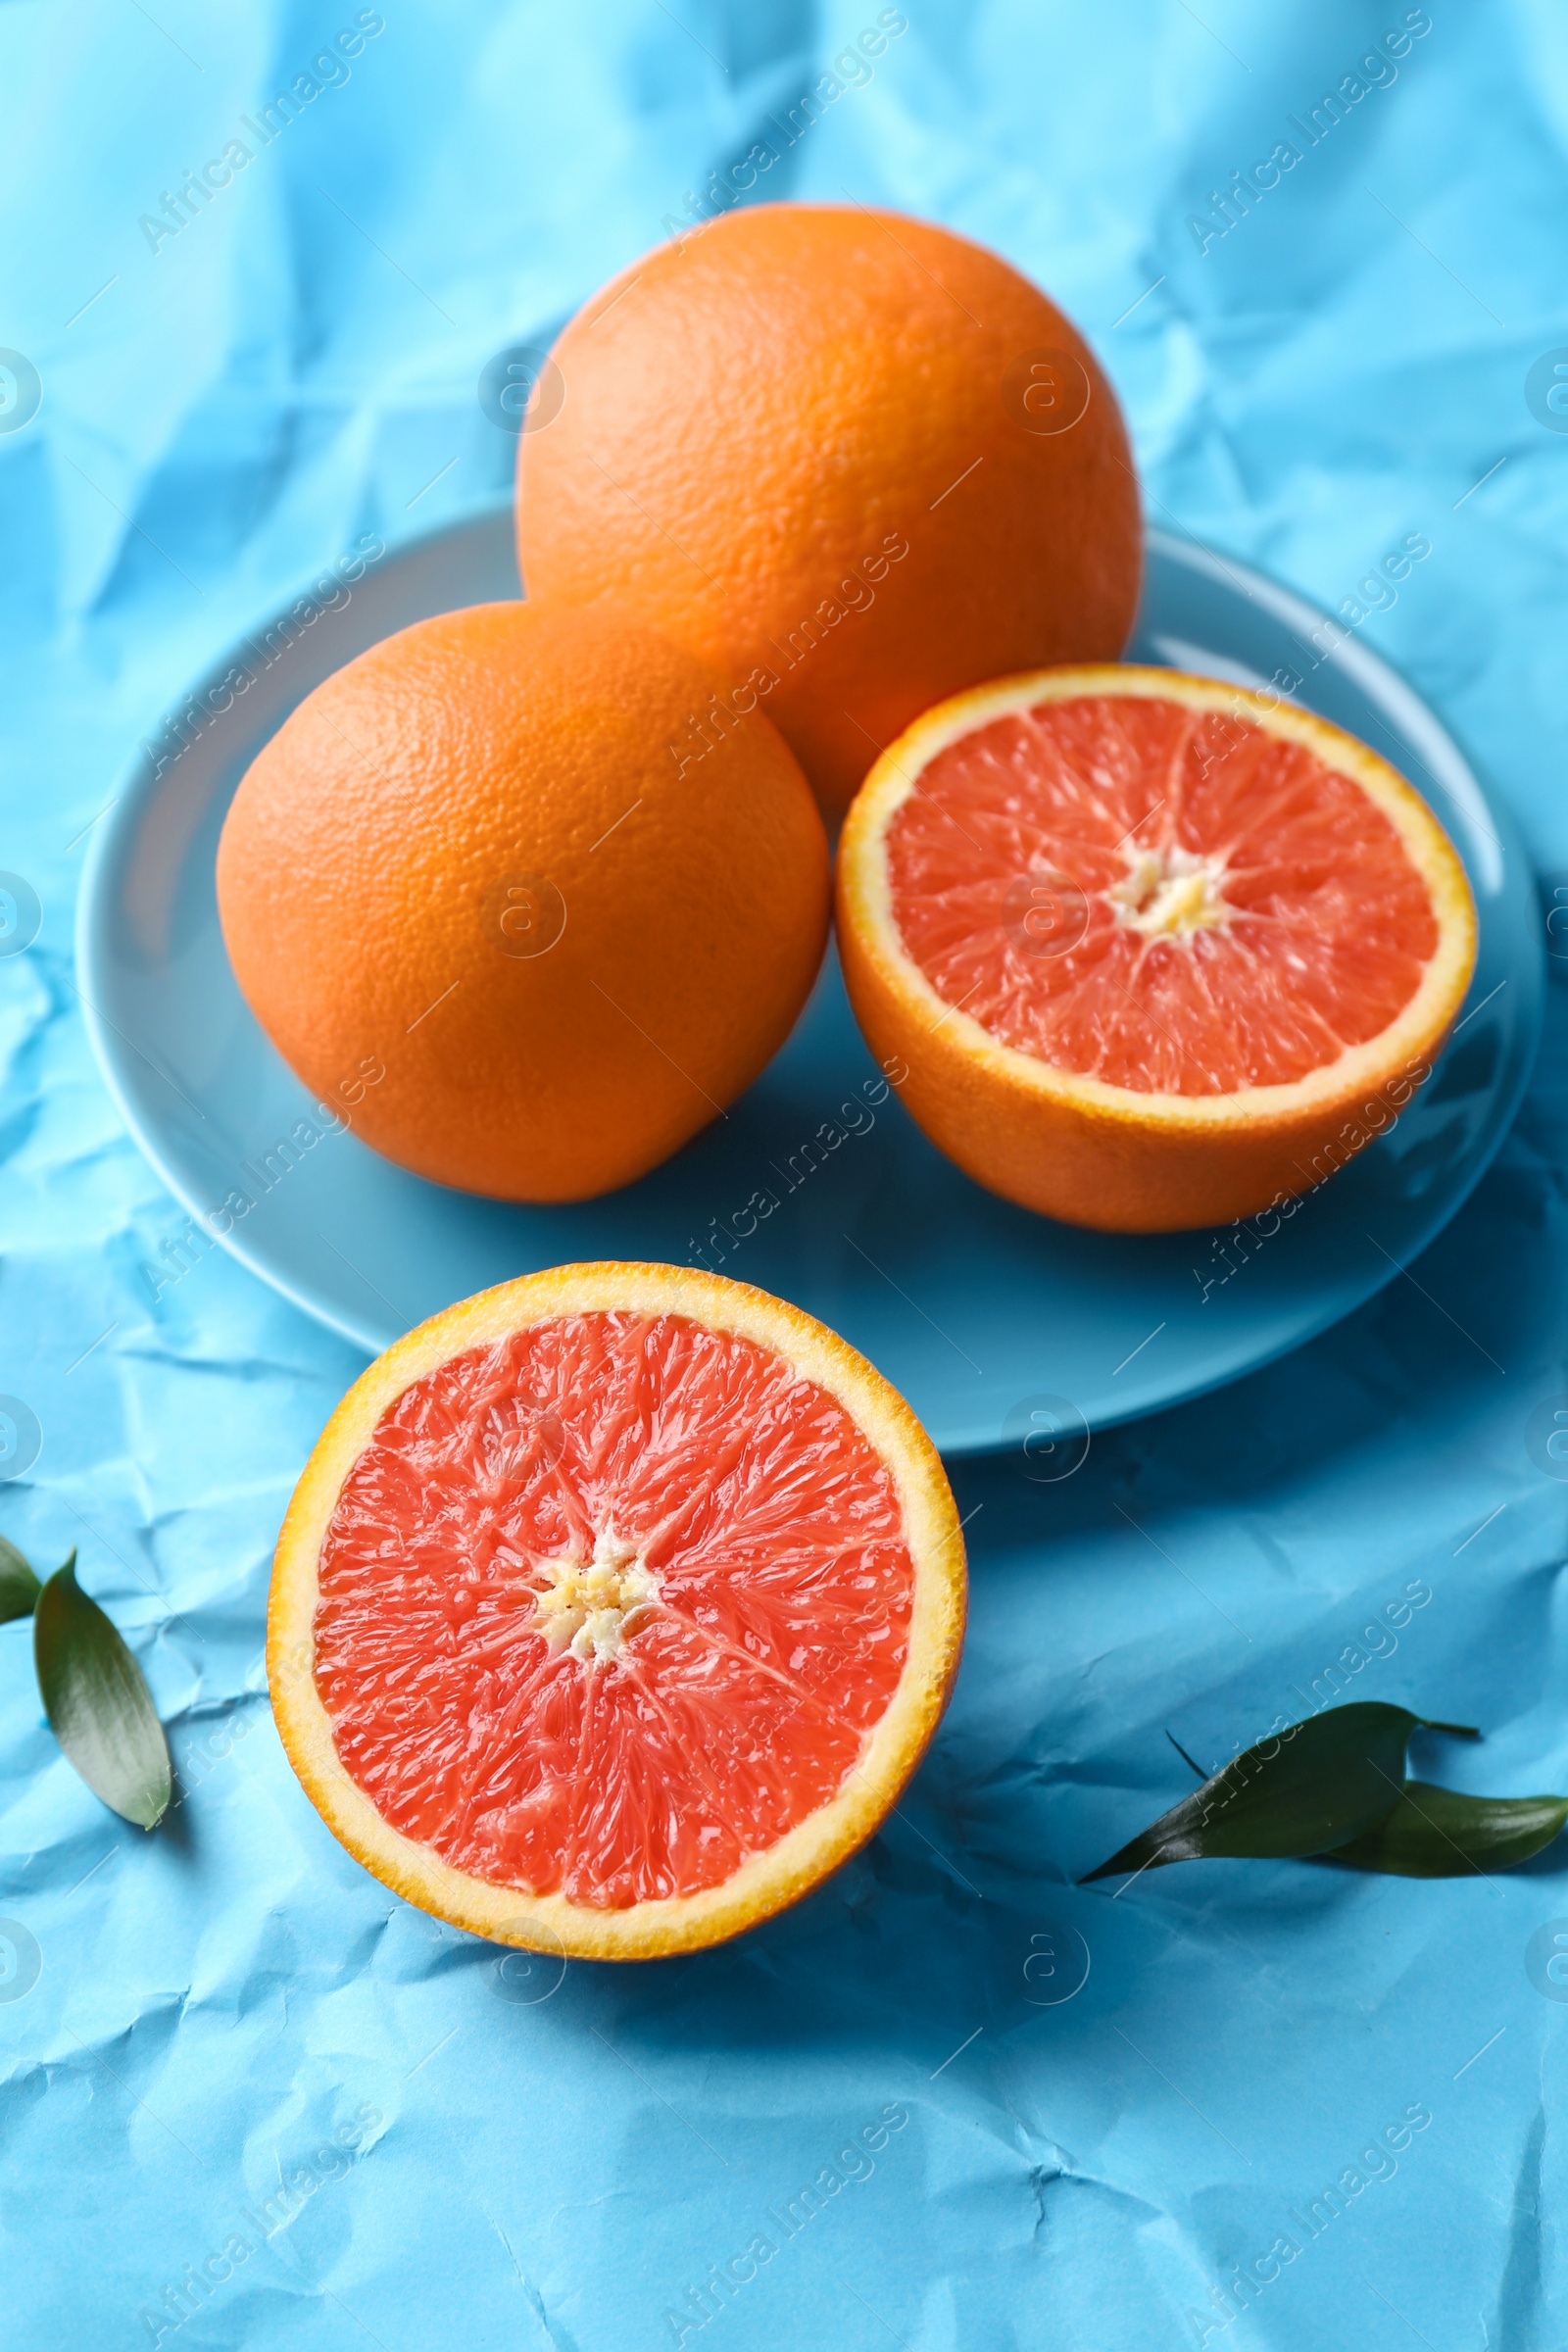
(1158, 951)
(613, 1609)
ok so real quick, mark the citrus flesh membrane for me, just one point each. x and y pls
(1158, 951)
(613, 1609)
(1244, 912)
(643, 1660)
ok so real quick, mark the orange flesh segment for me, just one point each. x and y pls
(741, 1696)
(1028, 846)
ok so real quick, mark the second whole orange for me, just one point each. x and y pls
(476, 909)
(852, 461)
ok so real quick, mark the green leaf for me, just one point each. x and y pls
(97, 1702)
(1441, 1833)
(1314, 1788)
(19, 1586)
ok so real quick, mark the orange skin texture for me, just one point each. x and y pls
(363, 871)
(1072, 1162)
(756, 413)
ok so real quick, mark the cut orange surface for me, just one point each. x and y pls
(1158, 951)
(613, 1609)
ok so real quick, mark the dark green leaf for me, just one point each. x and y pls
(1312, 1787)
(19, 1586)
(1441, 1833)
(97, 1702)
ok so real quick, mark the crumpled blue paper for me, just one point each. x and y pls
(954, 2099)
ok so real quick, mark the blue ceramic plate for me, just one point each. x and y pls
(1001, 1328)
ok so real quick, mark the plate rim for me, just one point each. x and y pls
(136, 780)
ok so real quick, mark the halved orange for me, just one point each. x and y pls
(613, 1609)
(1158, 951)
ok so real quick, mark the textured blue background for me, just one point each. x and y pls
(544, 2162)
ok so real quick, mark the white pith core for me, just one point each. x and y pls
(1169, 893)
(593, 1607)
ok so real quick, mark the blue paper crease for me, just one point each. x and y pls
(571, 2158)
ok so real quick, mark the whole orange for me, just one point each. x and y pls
(854, 461)
(466, 894)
